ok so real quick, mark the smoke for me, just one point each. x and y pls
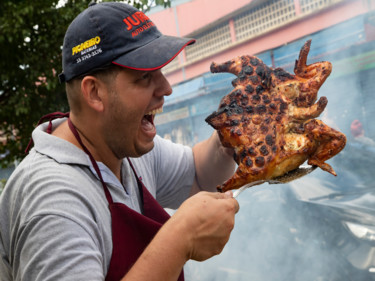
(275, 238)
(289, 232)
(298, 231)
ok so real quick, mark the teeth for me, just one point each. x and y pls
(155, 111)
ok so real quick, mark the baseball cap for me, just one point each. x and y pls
(117, 33)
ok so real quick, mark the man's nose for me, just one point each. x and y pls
(163, 88)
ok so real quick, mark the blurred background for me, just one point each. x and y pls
(317, 228)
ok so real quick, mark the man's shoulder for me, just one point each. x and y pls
(37, 164)
(42, 180)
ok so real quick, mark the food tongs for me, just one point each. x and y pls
(288, 177)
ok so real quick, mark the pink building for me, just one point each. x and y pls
(342, 32)
(225, 29)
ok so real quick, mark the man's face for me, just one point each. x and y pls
(129, 129)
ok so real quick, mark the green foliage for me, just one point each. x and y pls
(31, 36)
(2, 184)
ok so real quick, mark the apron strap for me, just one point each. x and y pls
(55, 115)
(93, 162)
(139, 183)
(50, 117)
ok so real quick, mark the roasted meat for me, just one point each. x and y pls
(269, 119)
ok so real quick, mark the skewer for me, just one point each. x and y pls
(288, 177)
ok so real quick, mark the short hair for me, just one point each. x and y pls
(106, 74)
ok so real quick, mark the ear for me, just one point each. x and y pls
(94, 92)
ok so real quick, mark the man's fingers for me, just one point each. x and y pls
(220, 195)
(216, 195)
(227, 195)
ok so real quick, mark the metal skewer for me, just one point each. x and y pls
(288, 177)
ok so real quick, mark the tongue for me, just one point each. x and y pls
(147, 124)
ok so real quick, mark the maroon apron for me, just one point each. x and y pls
(131, 231)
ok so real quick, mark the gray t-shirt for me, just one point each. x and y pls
(54, 218)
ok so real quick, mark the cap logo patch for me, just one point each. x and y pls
(136, 20)
(87, 49)
(85, 45)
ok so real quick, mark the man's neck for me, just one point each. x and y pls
(100, 152)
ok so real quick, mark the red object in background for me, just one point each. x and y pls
(356, 128)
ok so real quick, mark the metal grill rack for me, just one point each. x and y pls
(264, 18)
(310, 6)
(209, 42)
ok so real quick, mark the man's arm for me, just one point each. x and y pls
(198, 230)
(213, 164)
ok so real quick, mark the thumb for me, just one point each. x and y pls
(229, 195)
(220, 195)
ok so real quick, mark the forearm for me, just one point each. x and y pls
(213, 163)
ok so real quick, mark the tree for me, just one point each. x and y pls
(31, 36)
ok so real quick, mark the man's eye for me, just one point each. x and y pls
(146, 76)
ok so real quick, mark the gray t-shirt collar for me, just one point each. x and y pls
(67, 153)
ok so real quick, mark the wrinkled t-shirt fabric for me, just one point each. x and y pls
(54, 218)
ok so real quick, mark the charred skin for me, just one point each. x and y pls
(268, 118)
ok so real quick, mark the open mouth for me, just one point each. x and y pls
(148, 119)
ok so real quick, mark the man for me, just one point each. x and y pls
(358, 133)
(81, 205)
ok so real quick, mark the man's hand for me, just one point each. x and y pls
(206, 221)
(198, 230)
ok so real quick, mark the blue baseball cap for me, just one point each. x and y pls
(117, 33)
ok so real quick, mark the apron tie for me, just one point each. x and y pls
(50, 117)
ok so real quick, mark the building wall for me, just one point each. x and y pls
(348, 45)
(193, 17)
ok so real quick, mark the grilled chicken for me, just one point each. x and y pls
(269, 119)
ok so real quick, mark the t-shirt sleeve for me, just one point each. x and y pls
(54, 228)
(172, 170)
(45, 250)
